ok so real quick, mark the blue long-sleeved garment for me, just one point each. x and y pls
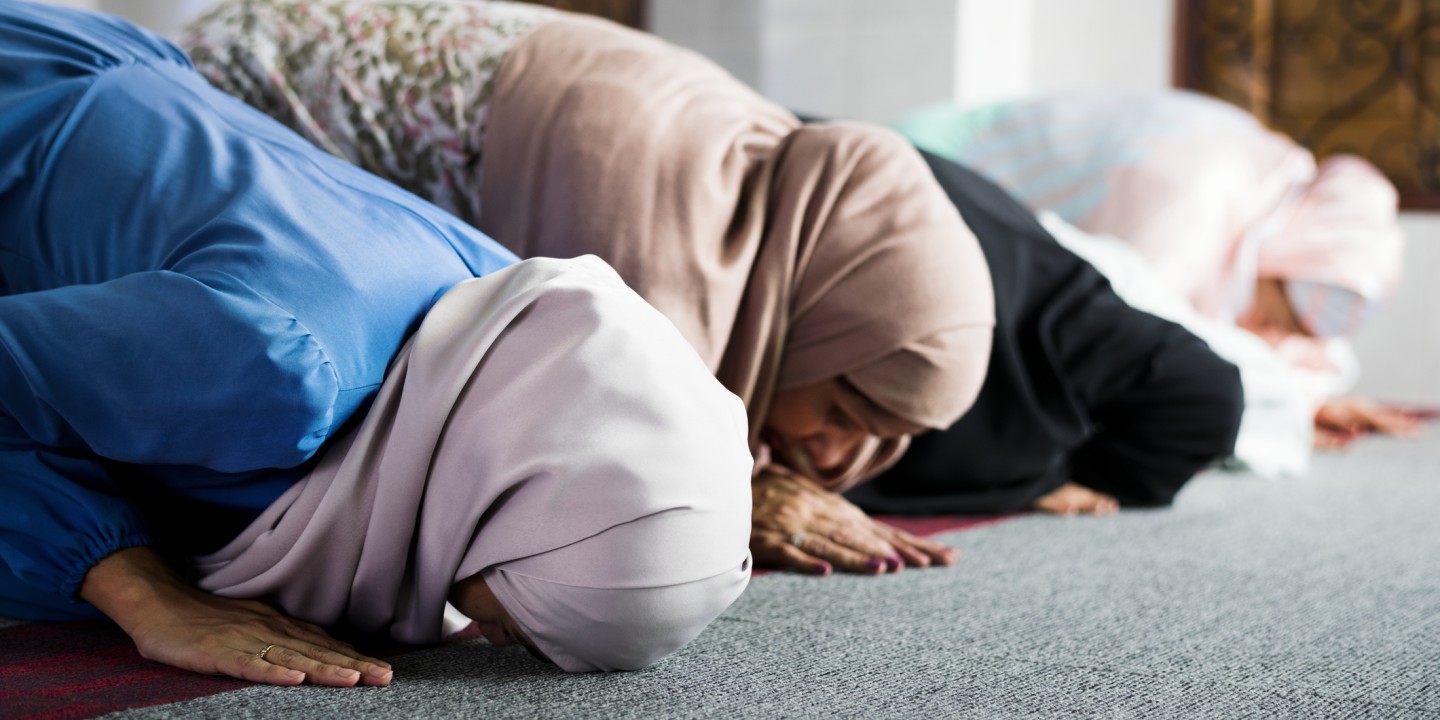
(192, 298)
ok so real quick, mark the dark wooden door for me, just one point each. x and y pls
(1355, 76)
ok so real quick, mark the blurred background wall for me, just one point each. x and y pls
(876, 59)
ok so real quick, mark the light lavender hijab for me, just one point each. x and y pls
(544, 426)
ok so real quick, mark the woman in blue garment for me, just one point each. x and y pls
(194, 302)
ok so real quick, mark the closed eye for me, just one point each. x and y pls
(838, 418)
(871, 418)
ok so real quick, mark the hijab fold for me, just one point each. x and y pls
(785, 254)
(1341, 240)
(543, 426)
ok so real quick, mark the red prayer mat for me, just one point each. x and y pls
(85, 669)
(54, 671)
(934, 525)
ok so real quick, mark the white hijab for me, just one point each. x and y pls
(549, 428)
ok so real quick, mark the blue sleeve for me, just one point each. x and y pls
(62, 514)
(154, 368)
(167, 369)
(193, 290)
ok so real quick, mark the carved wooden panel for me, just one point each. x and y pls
(626, 12)
(1356, 76)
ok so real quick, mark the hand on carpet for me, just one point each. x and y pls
(1341, 420)
(800, 526)
(1073, 499)
(176, 624)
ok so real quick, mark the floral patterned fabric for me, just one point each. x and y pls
(400, 88)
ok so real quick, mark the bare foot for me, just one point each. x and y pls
(1072, 499)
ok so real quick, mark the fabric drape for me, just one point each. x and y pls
(786, 254)
(544, 426)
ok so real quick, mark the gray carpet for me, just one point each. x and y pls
(1313, 597)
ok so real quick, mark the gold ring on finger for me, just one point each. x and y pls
(267, 649)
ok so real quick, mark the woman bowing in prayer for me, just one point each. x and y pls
(1239, 220)
(1089, 404)
(214, 429)
(818, 270)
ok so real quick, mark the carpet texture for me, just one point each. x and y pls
(1307, 597)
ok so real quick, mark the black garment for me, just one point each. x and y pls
(1080, 387)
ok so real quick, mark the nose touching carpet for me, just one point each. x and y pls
(1306, 597)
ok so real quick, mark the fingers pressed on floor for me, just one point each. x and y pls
(842, 557)
(867, 543)
(768, 548)
(917, 553)
(316, 671)
(322, 642)
(248, 666)
(366, 666)
(794, 558)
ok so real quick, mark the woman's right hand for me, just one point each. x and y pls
(800, 526)
(1341, 420)
(176, 624)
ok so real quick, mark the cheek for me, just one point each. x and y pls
(789, 426)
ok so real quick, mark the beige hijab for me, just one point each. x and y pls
(548, 428)
(786, 254)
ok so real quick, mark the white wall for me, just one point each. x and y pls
(1093, 44)
(1400, 350)
(876, 59)
(828, 57)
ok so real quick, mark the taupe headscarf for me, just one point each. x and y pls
(548, 428)
(786, 254)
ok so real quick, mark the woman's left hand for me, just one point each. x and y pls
(800, 526)
(176, 624)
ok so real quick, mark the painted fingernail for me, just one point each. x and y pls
(895, 563)
(821, 568)
(876, 564)
(347, 673)
(380, 672)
